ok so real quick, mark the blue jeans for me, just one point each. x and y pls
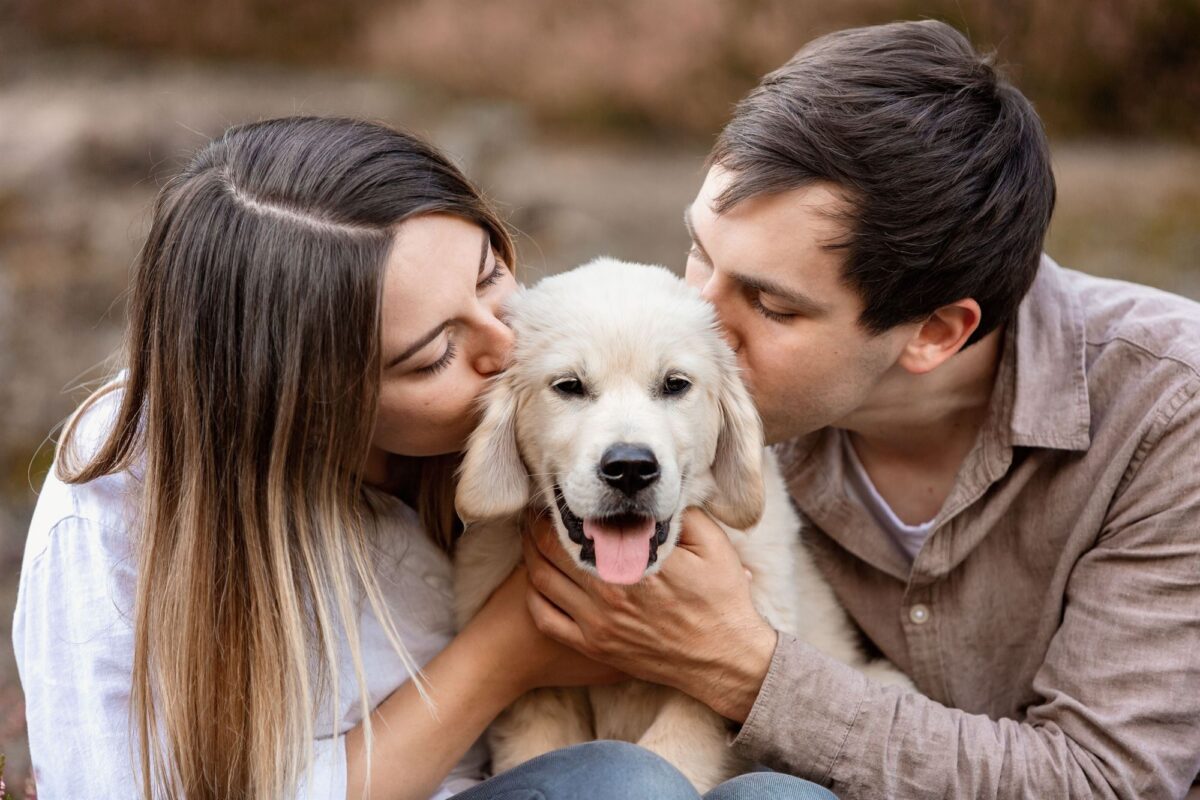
(621, 771)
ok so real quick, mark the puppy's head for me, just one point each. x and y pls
(622, 407)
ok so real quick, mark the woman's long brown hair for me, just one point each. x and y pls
(248, 407)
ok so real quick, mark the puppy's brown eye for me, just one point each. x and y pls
(675, 385)
(571, 387)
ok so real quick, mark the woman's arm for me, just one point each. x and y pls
(497, 657)
(73, 639)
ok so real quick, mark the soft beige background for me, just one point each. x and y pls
(587, 122)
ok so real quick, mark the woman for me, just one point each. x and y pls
(226, 591)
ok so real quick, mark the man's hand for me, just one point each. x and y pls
(691, 626)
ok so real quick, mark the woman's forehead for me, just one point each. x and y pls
(434, 262)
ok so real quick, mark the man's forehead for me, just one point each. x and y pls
(785, 236)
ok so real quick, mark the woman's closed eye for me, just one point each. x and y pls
(493, 277)
(441, 363)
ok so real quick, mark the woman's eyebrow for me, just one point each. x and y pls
(416, 346)
(483, 254)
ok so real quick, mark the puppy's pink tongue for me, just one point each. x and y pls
(622, 552)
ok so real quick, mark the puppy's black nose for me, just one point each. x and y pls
(628, 467)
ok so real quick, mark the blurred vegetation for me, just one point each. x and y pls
(1109, 67)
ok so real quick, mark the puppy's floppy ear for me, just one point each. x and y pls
(493, 482)
(738, 467)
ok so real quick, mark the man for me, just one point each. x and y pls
(999, 458)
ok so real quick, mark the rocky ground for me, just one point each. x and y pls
(86, 138)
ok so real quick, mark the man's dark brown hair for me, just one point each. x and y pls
(943, 165)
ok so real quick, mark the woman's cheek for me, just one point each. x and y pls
(451, 403)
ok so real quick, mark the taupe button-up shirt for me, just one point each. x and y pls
(1052, 618)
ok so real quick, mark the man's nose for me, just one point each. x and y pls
(496, 340)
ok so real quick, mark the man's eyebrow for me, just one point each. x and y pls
(433, 334)
(801, 302)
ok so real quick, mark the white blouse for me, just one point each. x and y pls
(73, 635)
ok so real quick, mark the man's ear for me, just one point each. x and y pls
(492, 481)
(941, 336)
(738, 468)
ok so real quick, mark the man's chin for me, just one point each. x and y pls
(776, 431)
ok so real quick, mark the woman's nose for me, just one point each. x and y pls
(496, 343)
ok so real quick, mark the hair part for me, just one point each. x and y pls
(250, 401)
(942, 163)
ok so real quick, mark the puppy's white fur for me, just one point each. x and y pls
(622, 329)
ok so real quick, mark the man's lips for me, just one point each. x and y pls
(587, 546)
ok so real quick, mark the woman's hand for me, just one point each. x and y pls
(495, 659)
(533, 658)
(692, 625)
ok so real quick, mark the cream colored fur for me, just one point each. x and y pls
(622, 328)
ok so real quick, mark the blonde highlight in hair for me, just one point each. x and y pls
(249, 404)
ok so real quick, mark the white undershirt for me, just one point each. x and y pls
(860, 489)
(73, 634)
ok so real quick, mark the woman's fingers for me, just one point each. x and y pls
(549, 580)
(552, 622)
(541, 530)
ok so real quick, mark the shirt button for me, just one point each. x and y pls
(438, 582)
(919, 614)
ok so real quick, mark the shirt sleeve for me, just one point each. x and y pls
(73, 639)
(1118, 702)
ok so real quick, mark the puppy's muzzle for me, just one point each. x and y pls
(629, 468)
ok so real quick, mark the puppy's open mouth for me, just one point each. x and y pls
(621, 546)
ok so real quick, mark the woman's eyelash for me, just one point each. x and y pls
(495, 275)
(774, 316)
(441, 363)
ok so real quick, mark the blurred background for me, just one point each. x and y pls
(587, 122)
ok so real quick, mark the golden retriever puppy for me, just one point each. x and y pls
(622, 408)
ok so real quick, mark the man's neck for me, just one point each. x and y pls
(913, 435)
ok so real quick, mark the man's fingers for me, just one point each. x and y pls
(699, 531)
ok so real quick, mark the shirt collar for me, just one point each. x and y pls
(1040, 399)
(1050, 403)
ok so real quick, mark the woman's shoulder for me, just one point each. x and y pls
(405, 549)
(399, 533)
(107, 503)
